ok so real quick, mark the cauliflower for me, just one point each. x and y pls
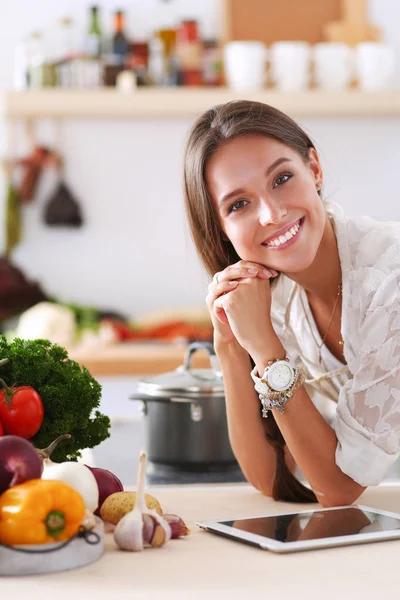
(49, 321)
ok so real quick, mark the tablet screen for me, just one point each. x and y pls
(316, 524)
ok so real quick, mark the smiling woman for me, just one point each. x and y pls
(304, 301)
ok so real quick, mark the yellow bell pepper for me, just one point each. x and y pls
(39, 512)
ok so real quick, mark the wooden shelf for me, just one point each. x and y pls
(189, 102)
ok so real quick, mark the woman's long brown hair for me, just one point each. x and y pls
(212, 129)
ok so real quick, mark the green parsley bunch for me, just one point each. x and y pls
(69, 393)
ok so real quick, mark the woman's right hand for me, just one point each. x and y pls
(224, 282)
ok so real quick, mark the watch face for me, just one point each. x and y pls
(280, 375)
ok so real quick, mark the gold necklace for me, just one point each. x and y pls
(341, 342)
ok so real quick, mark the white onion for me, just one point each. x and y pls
(77, 476)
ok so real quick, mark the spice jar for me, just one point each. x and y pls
(189, 50)
(212, 63)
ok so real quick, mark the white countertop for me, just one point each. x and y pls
(206, 566)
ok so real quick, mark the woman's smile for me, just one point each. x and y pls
(286, 237)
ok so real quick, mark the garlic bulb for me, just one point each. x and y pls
(141, 526)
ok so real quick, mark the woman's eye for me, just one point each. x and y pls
(281, 179)
(237, 206)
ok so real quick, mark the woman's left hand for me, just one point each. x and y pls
(248, 309)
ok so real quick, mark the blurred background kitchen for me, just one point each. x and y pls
(97, 101)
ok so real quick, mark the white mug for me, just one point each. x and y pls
(333, 65)
(245, 65)
(290, 65)
(375, 66)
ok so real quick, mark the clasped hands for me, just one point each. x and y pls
(239, 301)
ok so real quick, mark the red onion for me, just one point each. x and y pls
(108, 484)
(19, 462)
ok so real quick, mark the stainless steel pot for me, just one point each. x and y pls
(185, 412)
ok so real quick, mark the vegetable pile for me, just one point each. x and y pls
(45, 399)
(67, 391)
(42, 501)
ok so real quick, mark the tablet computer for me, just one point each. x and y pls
(310, 529)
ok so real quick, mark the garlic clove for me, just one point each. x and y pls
(148, 529)
(178, 526)
(159, 537)
(160, 521)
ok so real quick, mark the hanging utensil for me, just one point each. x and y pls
(62, 208)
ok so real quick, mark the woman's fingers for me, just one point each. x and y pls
(238, 271)
(227, 280)
(219, 310)
(252, 268)
(215, 290)
(221, 315)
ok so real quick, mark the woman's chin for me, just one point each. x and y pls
(292, 265)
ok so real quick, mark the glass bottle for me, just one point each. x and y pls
(157, 61)
(167, 35)
(66, 48)
(36, 61)
(93, 38)
(120, 44)
(66, 53)
(168, 38)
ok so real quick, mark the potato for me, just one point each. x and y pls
(118, 504)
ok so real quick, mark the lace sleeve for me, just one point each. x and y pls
(367, 422)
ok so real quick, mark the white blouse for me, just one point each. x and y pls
(366, 390)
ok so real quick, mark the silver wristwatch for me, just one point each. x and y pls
(280, 379)
(279, 375)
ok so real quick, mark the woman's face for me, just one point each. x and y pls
(267, 201)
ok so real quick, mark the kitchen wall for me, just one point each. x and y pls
(135, 254)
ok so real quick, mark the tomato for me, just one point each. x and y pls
(23, 413)
(1, 430)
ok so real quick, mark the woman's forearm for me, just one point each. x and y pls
(256, 457)
(312, 443)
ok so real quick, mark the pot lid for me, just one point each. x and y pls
(183, 382)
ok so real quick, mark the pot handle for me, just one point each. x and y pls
(209, 348)
(196, 411)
